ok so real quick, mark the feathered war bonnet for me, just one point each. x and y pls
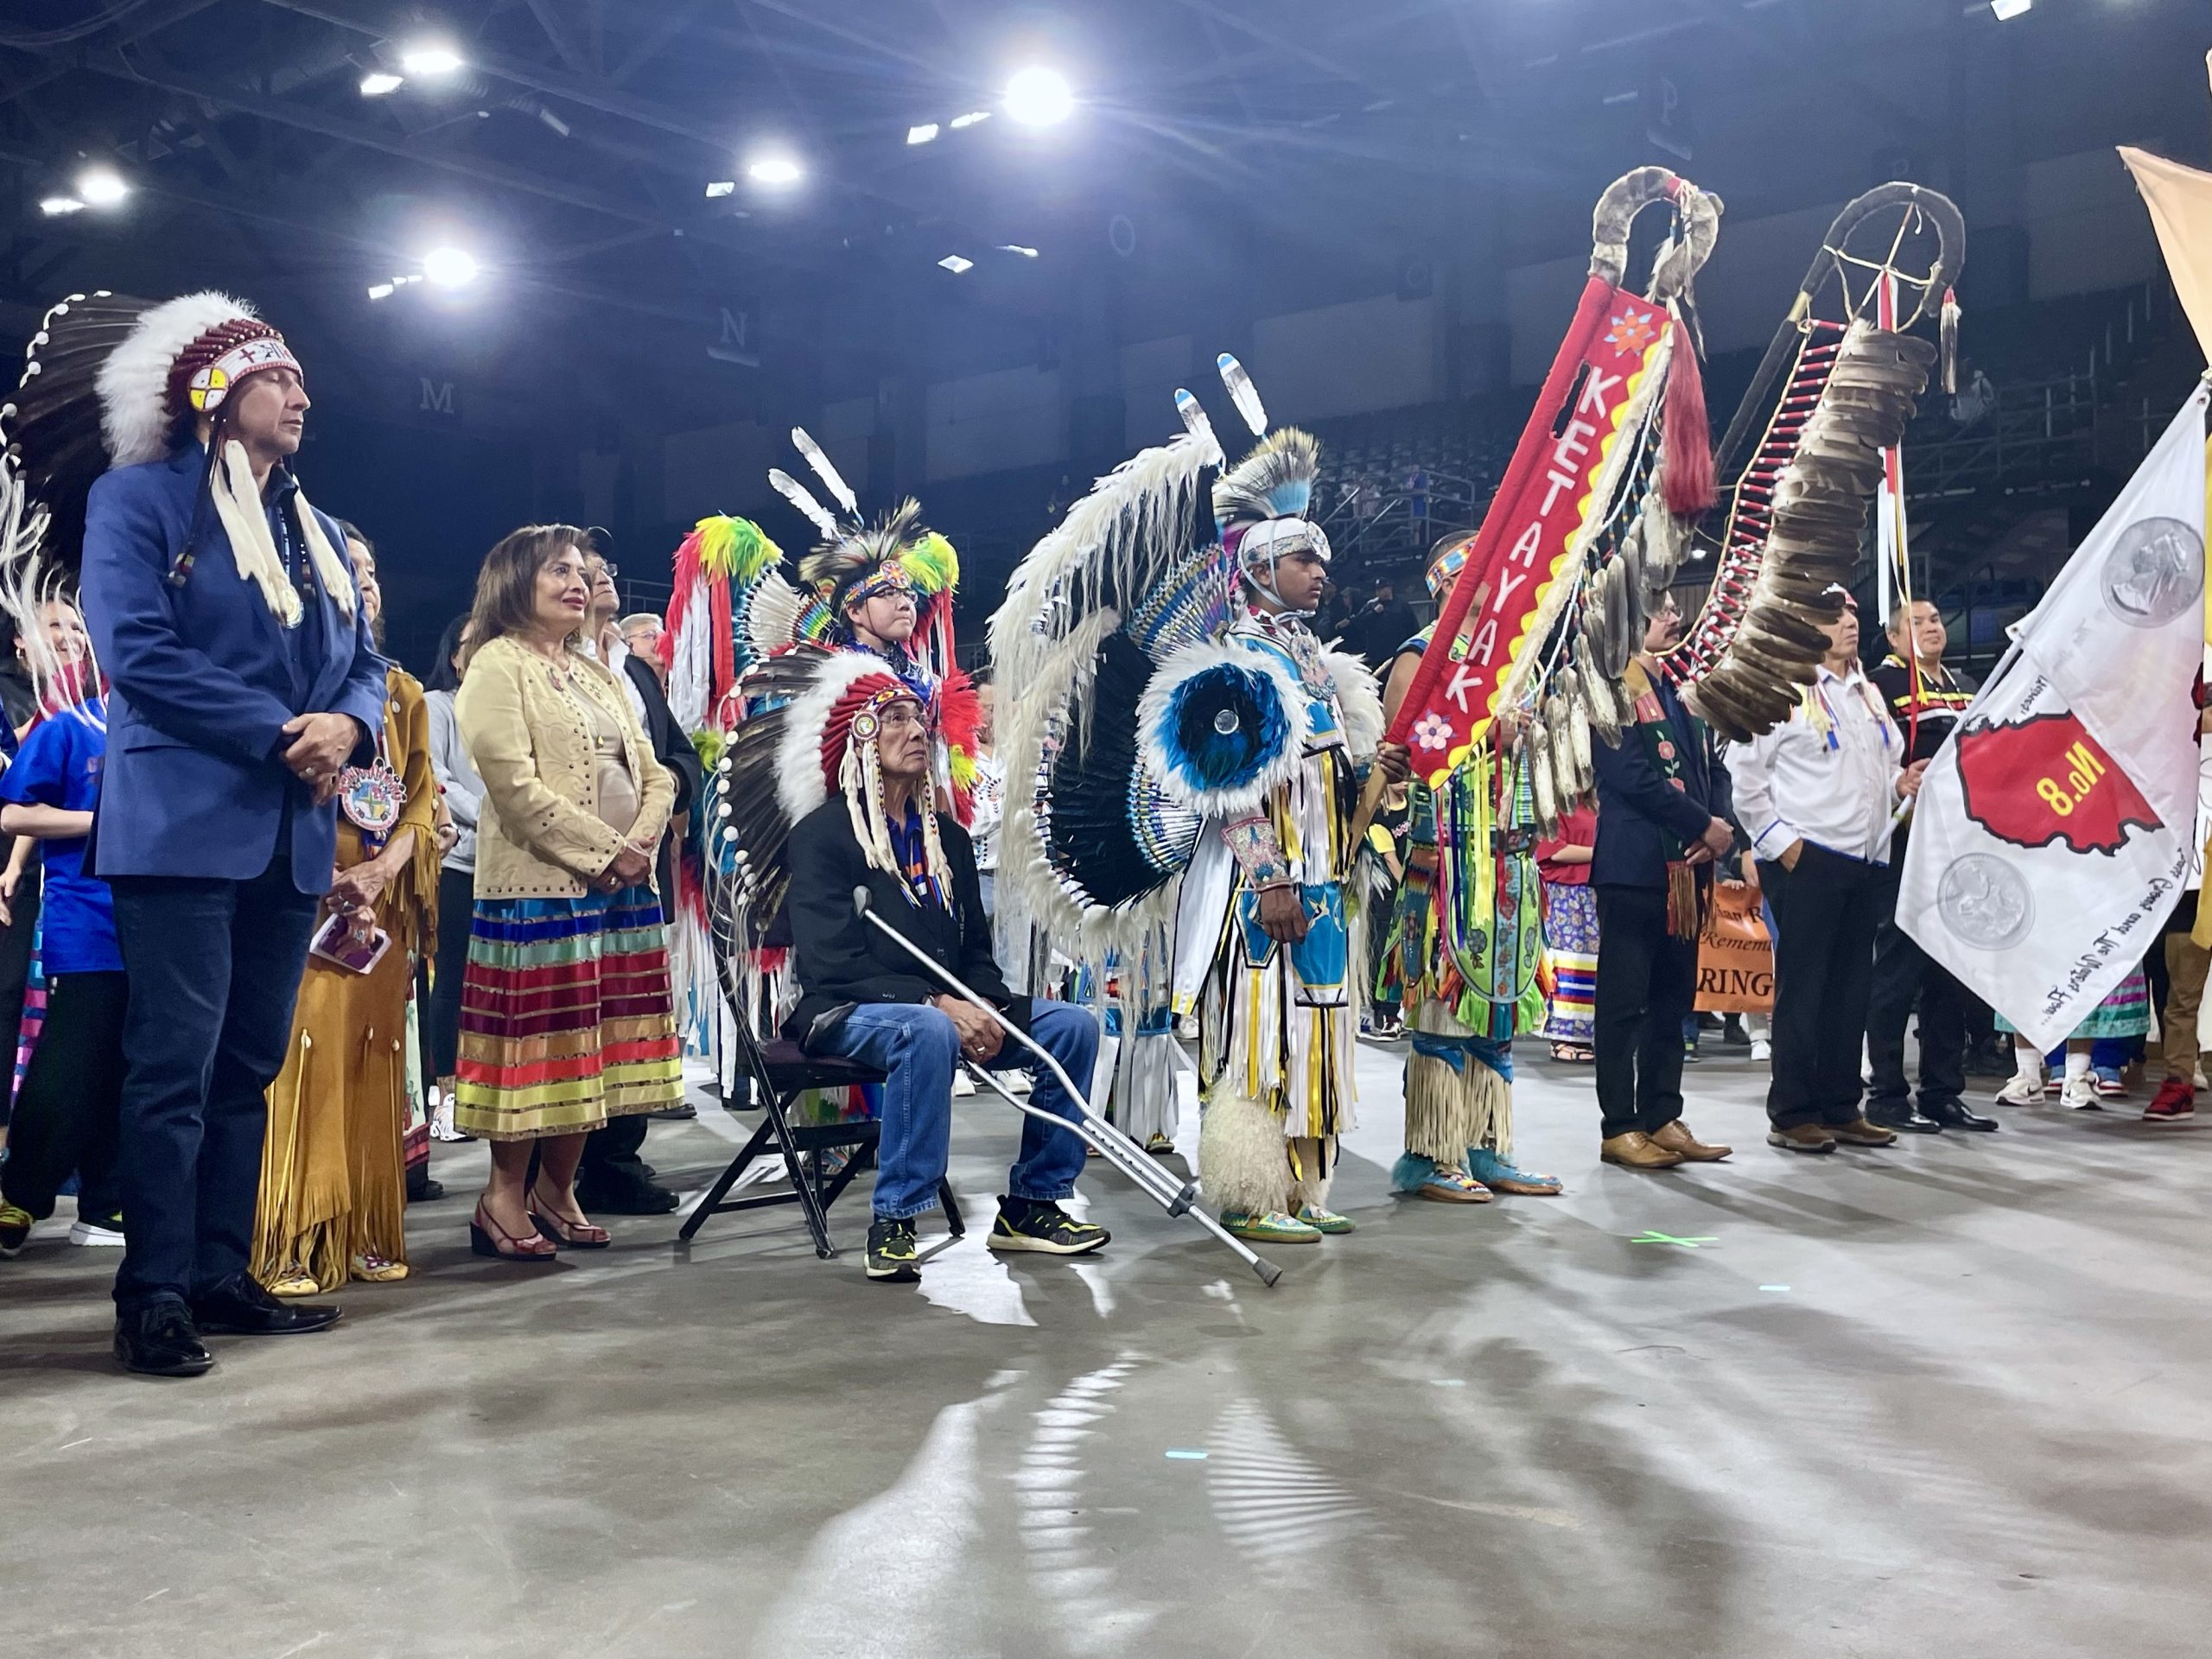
(826, 740)
(855, 559)
(109, 380)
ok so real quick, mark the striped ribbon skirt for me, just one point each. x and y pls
(1571, 935)
(567, 1017)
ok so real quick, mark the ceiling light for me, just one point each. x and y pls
(101, 186)
(955, 264)
(1038, 97)
(959, 121)
(717, 188)
(774, 169)
(430, 57)
(57, 206)
(2008, 10)
(1016, 247)
(922, 134)
(378, 82)
(450, 267)
(381, 291)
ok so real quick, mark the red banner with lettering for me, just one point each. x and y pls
(1533, 523)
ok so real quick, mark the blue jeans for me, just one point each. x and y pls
(918, 1046)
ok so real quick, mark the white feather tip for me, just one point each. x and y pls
(1243, 394)
(832, 479)
(799, 495)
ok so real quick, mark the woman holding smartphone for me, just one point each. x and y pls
(333, 1187)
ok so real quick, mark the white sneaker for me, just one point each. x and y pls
(91, 1232)
(962, 1084)
(2080, 1095)
(1762, 1049)
(2023, 1091)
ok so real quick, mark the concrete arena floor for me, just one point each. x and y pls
(1949, 1397)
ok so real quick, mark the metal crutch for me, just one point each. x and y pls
(1175, 1197)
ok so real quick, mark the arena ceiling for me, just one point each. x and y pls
(573, 149)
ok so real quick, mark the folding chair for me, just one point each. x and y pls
(781, 1072)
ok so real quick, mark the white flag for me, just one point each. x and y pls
(2052, 834)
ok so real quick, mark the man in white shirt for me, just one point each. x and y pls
(1818, 795)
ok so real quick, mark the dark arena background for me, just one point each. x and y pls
(589, 261)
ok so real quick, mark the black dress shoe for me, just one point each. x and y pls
(160, 1341)
(623, 1195)
(1954, 1115)
(243, 1308)
(1902, 1119)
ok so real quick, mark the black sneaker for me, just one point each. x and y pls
(1029, 1224)
(892, 1252)
(15, 1224)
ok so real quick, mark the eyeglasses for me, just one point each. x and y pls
(606, 568)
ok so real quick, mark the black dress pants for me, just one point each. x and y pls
(457, 907)
(1903, 970)
(1825, 912)
(69, 1113)
(214, 969)
(1647, 983)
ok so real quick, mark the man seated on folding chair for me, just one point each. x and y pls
(866, 999)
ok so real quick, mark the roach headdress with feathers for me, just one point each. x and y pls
(1260, 505)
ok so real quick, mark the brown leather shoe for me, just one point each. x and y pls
(1676, 1137)
(1637, 1150)
(1859, 1133)
(1806, 1137)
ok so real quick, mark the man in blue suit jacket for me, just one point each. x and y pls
(243, 683)
(1662, 809)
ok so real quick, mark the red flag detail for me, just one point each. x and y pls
(2045, 780)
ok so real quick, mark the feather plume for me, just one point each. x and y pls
(846, 555)
(772, 616)
(797, 494)
(1060, 638)
(831, 479)
(931, 561)
(1275, 481)
(1243, 394)
(1193, 414)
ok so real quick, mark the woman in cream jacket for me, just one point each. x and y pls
(567, 1017)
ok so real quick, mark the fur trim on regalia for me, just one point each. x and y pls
(1361, 701)
(1243, 1163)
(1448, 1113)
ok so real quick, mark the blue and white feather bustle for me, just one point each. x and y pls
(1222, 726)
